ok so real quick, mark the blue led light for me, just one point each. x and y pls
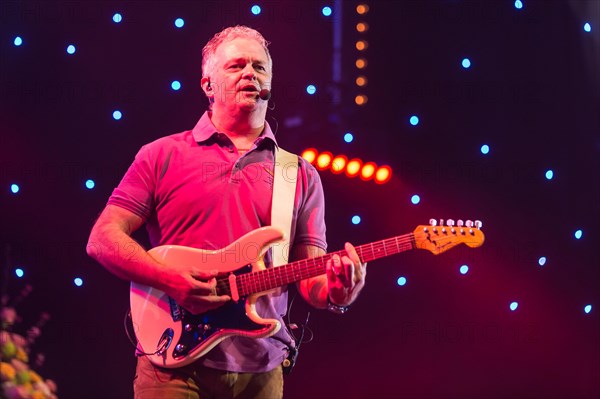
(578, 234)
(71, 49)
(414, 120)
(18, 41)
(542, 261)
(415, 199)
(587, 309)
(117, 18)
(464, 269)
(485, 149)
(14, 188)
(518, 4)
(549, 174)
(466, 63)
(117, 115)
(90, 184)
(311, 89)
(179, 22)
(175, 85)
(255, 9)
(355, 219)
(20, 273)
(78, 281)
(401, 281)
(326, 11)
(587, 27)
(514, 306)
(348, 137)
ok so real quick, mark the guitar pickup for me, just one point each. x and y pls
(176, 311)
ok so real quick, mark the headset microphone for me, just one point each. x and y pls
(264, 94)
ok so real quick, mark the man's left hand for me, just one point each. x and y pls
(345, 277)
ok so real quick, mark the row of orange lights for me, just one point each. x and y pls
(361, 62)
(351, 167)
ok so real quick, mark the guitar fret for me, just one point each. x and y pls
(267, 279)
(277, 276)
(360, 253)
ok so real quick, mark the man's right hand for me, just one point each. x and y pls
(110, 243)
(195, 291)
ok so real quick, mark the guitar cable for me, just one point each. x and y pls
(290, 361)
(133, 341)
(126, 327)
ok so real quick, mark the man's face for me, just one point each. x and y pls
(241, 70)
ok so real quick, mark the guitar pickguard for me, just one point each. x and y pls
(196, 329)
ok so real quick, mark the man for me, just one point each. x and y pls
(201, 189)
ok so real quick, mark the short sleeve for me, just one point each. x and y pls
(136, 190)
(310, 222)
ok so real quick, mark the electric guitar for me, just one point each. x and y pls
(172, 337)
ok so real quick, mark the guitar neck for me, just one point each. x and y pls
(264, 280)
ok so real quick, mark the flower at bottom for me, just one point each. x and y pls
(7, 372)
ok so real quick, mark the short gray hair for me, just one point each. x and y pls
(227, 34)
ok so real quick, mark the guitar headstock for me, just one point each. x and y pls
(438, 238)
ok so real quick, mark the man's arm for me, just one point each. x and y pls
(110, 243)
(342, 283)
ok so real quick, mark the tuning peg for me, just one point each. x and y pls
(450, 223)
(433, 222)
(469, 223)
(478, 224)
(460, 225)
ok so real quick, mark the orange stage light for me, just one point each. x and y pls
(362, 9)
(361, 81)
(383, 174)
(339, 164)
(361, 63)
(362, 45)
(310, 154)
(368, 171)
(362, 27)
(324, 160)
(361, 99)
(353, 167)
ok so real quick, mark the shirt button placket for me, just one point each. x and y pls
(234, 178)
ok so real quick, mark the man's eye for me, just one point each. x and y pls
(260, 68)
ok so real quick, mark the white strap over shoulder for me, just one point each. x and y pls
(282, 206)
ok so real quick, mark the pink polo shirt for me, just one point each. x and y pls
(193, 189)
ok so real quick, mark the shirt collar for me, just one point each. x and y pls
(205, 129)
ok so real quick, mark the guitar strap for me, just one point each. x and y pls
(282, 204)
(282, 210)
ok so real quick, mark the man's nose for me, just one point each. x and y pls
(248, 72)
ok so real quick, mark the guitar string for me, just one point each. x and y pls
(269, 278)
(265, 279)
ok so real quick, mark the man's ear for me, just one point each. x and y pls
(207, 88)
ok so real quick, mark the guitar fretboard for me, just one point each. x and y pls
(264, 280)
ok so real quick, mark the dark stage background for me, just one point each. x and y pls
(531, 94)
